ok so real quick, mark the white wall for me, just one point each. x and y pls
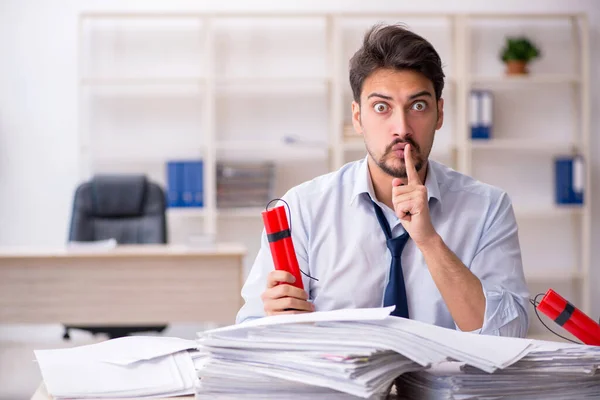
(38, 98)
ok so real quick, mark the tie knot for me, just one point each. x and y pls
(396, 245)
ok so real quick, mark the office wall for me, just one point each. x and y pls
(38, 98)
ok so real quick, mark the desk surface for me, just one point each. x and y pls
(126, 285)
(42, 394)
(221, 249)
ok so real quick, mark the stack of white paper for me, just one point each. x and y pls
(326, 374)
(136, 366)
(343, 354)
(247, 360)
(550, 371)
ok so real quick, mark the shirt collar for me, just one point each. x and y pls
(364, 184)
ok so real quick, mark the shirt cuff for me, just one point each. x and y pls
(502, 317)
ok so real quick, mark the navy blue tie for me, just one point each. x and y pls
(395, 292)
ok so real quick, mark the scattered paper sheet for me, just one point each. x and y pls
(125, 367)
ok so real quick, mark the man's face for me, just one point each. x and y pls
(397, 108)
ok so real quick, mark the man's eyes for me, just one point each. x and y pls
(380, 107)
(420, 105)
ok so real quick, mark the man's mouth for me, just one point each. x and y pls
(398, 150)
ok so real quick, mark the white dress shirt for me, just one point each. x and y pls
(339, 241)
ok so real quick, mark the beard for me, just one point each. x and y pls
(388, 164)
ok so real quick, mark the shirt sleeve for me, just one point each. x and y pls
(498, 265)
(256, 282)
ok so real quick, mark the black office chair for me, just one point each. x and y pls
(128, 208)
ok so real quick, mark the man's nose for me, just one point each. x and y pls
(400, 126)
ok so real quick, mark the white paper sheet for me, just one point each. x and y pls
(125, 367)
(357, 314)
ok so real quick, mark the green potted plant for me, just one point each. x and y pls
(517, 53)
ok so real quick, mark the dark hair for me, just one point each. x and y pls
(395, 47)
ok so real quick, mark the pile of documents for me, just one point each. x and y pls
(550, 371)
(129, 367)
(341, 354)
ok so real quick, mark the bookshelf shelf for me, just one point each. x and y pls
(548, 211)
(187, 212)
(145, 81)
(354, 144)
(535, 79)
(271, 151)
(241, 212)
(293, 82)
(200, 212)
(277, 86)
(155, 154)
(552, 274)
(527, 145)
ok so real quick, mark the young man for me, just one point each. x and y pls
(456, 258)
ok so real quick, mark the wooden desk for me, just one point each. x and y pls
(128, 285)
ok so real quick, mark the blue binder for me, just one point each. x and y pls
(569, 180)
(174, 183)
(187, 195)
(193, 182)
(481, 114)
(197, 183)
(185, 183)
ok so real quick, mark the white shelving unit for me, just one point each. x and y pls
(526, 79)
(233, 86)
(555, 97)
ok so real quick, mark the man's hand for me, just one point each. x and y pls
(410, 203)
(281, 298)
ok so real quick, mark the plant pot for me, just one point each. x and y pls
(516, 67)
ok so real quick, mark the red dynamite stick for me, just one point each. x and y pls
(280, 242)
(572, 319)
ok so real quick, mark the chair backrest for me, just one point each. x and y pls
(128, 208)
